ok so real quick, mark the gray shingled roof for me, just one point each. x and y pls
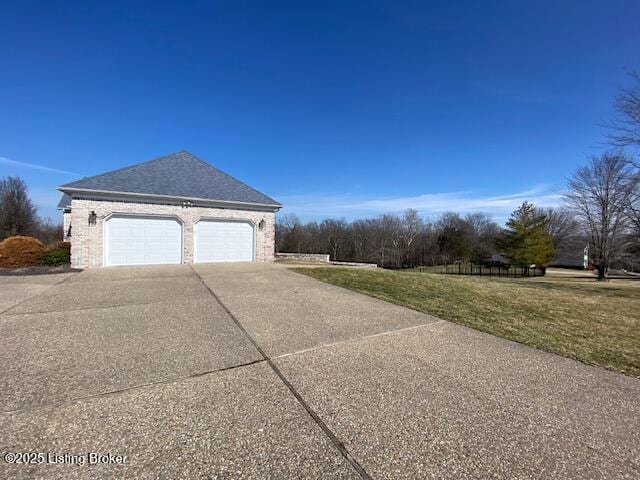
(65, 201)
(176, 175)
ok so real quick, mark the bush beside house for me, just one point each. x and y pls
(56, 254)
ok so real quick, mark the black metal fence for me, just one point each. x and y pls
(490, 270)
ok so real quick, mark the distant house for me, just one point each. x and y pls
(173, 209)
(573, 259)
(569, 262)
(568, 258)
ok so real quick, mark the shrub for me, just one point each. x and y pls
(20, 251)
(60, 245)
(59, 256)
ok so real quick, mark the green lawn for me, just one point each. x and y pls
(566, 312)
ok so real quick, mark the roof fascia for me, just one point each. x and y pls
(131, 196)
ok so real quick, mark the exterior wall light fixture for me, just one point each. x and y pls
(92, 217)
(261, 225)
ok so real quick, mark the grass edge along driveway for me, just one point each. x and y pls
(596, 323)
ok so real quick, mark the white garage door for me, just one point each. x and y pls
(223, 241)
(133, 240)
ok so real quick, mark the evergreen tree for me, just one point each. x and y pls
(526, 240)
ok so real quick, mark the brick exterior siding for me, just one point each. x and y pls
(87, 240)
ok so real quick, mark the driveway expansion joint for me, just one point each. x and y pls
(358, 339)
(132, 279)
(38, 294)
(131, 388)
(323, 426)
(83, 309)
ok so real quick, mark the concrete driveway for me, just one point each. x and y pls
(253, 371)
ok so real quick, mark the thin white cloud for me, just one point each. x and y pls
(34, 166)
(500, 206)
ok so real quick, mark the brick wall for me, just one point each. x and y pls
(87, 240)
(304, 257)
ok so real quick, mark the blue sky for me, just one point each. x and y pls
(333, 108)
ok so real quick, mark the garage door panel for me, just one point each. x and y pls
(142, 241)
(223, 241)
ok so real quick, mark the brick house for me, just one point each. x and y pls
(173, 209)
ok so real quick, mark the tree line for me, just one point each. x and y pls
(601, 211)
(532, 236)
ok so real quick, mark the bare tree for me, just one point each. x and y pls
(286, 234)
(626, 133)
(633, 207)
(482, 231)
(334, 233)
(563, 227)
(48, 231)
(363, 240)
(389, 238)
(633, 214)
(412, 224)
(599, 194)
(454, 237)
(17, 213)
(626, 125)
